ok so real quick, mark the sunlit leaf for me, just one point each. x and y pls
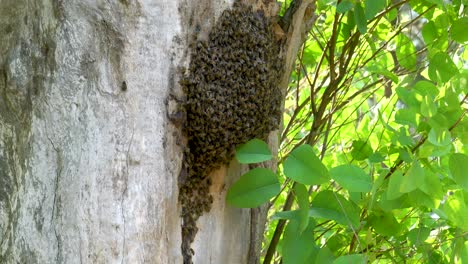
(352, 178)
(458, 30)
(305, 167)
(330, 205)
(456, 210)
(458, 164)
(441, 68)
(406, 52)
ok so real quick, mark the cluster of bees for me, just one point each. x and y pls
(232, 96)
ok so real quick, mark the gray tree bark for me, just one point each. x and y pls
(88, 159)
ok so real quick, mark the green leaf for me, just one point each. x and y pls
(299, 247)
(441, 68)
(373, 7)
(406, 52)
(413, 178)
(254, 151)
(360, 18)
(428, 106)
(418, 198)
(384, 223)
(305, 167)
(253, 188)
(429, 32)
(458, 30)
(417, 236)
(325, 255)
(406, 117)
(458, 165)
(333, 206)
(393, 190)
(302, 197)
(439, 137)
(344, 6)
(456, 210)
(432, 185)
(361, 150)
(352, 178)
(354, 259)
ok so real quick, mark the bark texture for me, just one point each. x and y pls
(88, 158)
(84, 176)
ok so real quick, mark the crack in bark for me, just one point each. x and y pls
(124, 192)
(58, 173)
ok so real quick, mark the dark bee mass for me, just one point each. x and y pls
(232, 96)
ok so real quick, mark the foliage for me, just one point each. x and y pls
(373, 159)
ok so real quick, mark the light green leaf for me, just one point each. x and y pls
(441, 68)
(406, 52)
(429, 32)
(360, 18)
(413, 178)
(458, 165)
(393, 190)
(361, 150)
(333, 206)
(305, 167)
(302, 196)
(354, 259)
(428, 106)
(373, 7)
(432, 185)
(253, 188)
(352, 178)
(254, 151)
(456, 210)
(406, 117)
(439, 137)
(458, 30)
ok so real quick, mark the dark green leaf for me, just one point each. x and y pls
(384, 223)
(360, 18)
(305, 167)
(299, 247)
(418, 235)
(361, 150)
(373, 7)
(352, 178)
(253, 188)
(254, 151)
(354, 259)
(344, 6)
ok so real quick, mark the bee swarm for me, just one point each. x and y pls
(232, 96)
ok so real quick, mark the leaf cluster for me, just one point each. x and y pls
(373, 161)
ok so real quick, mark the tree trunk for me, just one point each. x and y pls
(89, 161)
